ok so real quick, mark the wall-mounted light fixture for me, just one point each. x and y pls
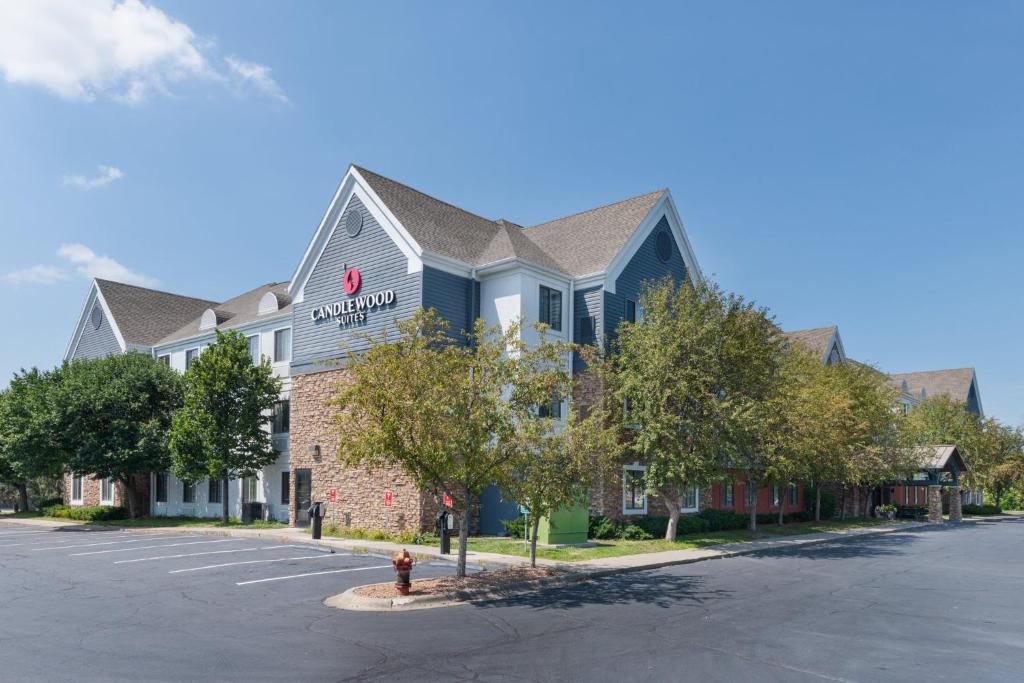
(314, 450)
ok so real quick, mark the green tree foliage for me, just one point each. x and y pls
(686, 381)
(114, 413)
(220, 431)
(446, 413)
(29, 427)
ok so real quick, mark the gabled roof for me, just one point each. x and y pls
(817, 340)
(939, 457)
(586, 242)
(956, 384)
(242, 309)
(144, 315)
(581, 244)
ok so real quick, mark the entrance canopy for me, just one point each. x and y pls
(939, 465)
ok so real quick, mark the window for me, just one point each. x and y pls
(630, 310)
(728, 489)
(188, 492)
(551, 307)
(926, 496)
(690, 499)
(250, 489)
(254, 348)
(161, 488)
(190, 357)
(751, 494)
(280, 418)
(588, 329)
(286, 487)
(634, 490)
(794, 495)
(552, 409)
(776, 495)
(165, 359)
(76, 488)
(107, 491)
(216, 487)
(283, 345)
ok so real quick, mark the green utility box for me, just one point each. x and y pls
(565, 526)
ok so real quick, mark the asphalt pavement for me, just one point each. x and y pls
(925, 604)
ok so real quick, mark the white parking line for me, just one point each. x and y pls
(29, 533)
(209, 552)
(299, 576)
(90, 545)
(147, 547)
(276, 559)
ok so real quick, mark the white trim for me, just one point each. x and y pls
(83, 319)
(81, 489)
(515, 263)
(589, 281)
(446, 264)
(663, 207)
(633, 511)
(291, 341)
(107, 501)
(245, 329)
(352, 184)
(696, 502)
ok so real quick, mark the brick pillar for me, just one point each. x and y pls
(935, 504)
(956, 513)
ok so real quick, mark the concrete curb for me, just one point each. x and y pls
(349, 600)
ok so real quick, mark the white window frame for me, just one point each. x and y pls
(81, 489)
(104, 483)
(696, 501)
(197, 350)
(635, 467)
(291, 343)
(259, 347)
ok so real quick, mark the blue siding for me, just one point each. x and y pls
(644, 268)
(382, 266)
(96, 342)
(586, 302)
(453, 297)
(972, 400)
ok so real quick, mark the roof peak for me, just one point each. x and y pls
(363, 170)
(99, 280)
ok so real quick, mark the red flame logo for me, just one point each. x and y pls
(351, 281)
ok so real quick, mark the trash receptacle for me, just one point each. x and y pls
(316, 517)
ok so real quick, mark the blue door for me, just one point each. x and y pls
(493, 509)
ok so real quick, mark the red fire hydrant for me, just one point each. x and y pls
(403, 567)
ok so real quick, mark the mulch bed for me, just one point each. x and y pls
(444, 585)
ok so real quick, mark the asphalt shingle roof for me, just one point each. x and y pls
(577, 245)
(815, 339)
(143, 315)
(956, 383)
(242, 309)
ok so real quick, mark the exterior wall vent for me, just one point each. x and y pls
(663, 246)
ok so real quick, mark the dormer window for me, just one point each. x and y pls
(212, 317)
(271, 302)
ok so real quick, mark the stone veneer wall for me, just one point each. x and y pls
(91, 493)
(360, 493)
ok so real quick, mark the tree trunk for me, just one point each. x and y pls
(869, 502)
(224, 500)
(817, 503)
(842, 505)
(534, 525)
(128, 486)
(673, 517)
(753, 510)
(23, 496)
(460, 570)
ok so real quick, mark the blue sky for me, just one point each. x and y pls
(857, 164)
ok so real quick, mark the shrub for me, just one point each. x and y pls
(601, 528)
(515, 528)
(93, 513)
(632, 532)
(981, 510)
(1011, 499)
(654, 526)
(49, 502)
(377, 535)
(724, 520)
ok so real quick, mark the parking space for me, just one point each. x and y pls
(174, 559)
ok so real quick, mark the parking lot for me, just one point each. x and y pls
(932, 604)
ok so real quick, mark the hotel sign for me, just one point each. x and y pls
(353, 310)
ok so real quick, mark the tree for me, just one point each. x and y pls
(220, 430)
(555, 465)
(943, 420)
(114, 413)
(685, 381)
(442, 409)
(1007, 443)
(29, 427)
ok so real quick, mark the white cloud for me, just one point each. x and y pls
(36, 275)
(89, 264)
(126, 50)
(256, 75)
(107, 175)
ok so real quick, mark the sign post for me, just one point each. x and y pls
(334, 507)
